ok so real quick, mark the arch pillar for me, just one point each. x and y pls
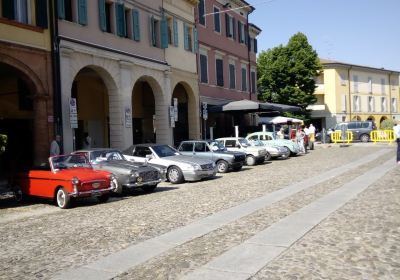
(162, 123)
(40, 125)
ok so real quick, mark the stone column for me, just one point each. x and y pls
(164, 132)
(40, 128)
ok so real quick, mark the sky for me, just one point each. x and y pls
(360, 32)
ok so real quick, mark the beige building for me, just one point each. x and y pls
(116, 61)
(347, 92)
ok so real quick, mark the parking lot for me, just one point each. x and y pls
(356, 240)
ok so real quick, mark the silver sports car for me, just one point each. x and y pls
(179, 167)
(127, 173)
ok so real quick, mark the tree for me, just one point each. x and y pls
(286, 73)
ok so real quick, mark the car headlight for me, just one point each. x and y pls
(194, 166)
(75, 181)
(134, 173)
(260, 152)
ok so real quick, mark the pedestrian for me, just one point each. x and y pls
(311, 136)
(87, 141)
(396, 130)
(55, 146)
(300, 139)
(281, 133)
(306, 137)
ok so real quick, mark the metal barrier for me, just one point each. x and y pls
(336, 137)
(383, 136)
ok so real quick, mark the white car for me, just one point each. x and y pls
(274, 151)
(254, 154)
(179, 167)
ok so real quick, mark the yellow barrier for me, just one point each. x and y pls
(336, 136)
(382, 136)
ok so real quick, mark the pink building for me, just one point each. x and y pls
(226, 58)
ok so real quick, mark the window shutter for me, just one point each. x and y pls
(234, 28)
(186, 36)
(240, 32)
(217, 26)
(82, 12)
(203, 69)
(41, 14)
(136, 25)
(220, 72)
(202, 19)
(195, 40)
(102, 15)
(175, 28)
(227, 29)
(60, 8)
(244, 79)
(255, 45)
(120, 19)
(164, 33)
(153, 32)
(253, 82)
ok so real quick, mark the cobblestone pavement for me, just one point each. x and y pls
(39, 240)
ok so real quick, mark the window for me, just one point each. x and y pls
(342, 79)
(200, 147)
(253, 81)
(253, 137)
(244, 79)
(383, 104)
(255, 47)
(186, 147)
(201, 9)
(230, 143)
(241, 32)
(142, 151)
(369, 84)
(128, 21)
(394, 105)
(75, 10)
(203, 68)
(230, 26)
(232, 76)
(217, 20)
(352, 125)
(175, 30)
(344, 103)
(120, 19)
(135, 25)
(356, 103)
(383, 91)
(355, 83)
(371, 104)
(154, 31)
(170, 30)
(188, 35)
(219, 66)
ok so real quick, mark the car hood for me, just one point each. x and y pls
(124, 164)
(188, 159)
(83, 174)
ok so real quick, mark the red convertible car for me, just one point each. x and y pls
(63, 178)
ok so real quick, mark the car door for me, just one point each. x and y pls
(352, 126)
(232, 145)
(186, 148)
(201, 150)
(139, 154)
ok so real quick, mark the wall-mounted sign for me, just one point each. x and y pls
(172, 116)
(205, 111)
(128, 117)
(73, 113)
(176, 109)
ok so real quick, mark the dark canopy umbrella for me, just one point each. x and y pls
(249, 106)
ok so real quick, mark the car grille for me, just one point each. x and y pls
(93, 185)
(239, 158)
(149, 175)
(208, 166)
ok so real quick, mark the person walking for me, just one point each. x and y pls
(87, 141)
(300, 139)
(311, 136)
(55, 146)
(396, 130)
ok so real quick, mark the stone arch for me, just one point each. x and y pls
(356, 118)
(371, 118)
(382, 119)
(155, 86)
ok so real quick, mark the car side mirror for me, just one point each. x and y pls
(149, 157)
(237, 146)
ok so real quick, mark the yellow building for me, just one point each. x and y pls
(347, 92)
(26, 92)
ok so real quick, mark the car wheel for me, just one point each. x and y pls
(287, 150)
(250, 160)
(175, 175)
(222, 166)
(18, 195)
(149, 188)
(103, 198)
(62, 198)
(364, 138)
(267, 157)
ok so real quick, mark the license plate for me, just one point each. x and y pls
(96, 194)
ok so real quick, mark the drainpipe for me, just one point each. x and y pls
(348, 75)
(53, 8)
(248, 53)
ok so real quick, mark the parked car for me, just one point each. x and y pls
(179, 167)
(128, 174)
(214, 151)
(274, 151)
(254, 155)
(269, 138)
(62, 178)
(361, 129)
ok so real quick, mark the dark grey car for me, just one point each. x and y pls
(361, 129)
(214, 151)
(128, 174)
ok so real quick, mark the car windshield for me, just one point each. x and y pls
(244, 142)
(69, 161)
(105, 155)
(217, 146)
(165, 151)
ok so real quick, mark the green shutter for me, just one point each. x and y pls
(186, 36)
(164, 33)
(195, 40)
(82, 12)
(175, 27)
(102, 15)
(60, 9)
(136, 25)
(153, 32)
(41, 14)
(120, 19)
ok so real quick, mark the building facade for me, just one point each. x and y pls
(113, 63)
(227, 56)
(26, 85)
(347, 92)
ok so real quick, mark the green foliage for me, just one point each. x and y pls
(3, 143)
(387, 124)
(286, 73)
